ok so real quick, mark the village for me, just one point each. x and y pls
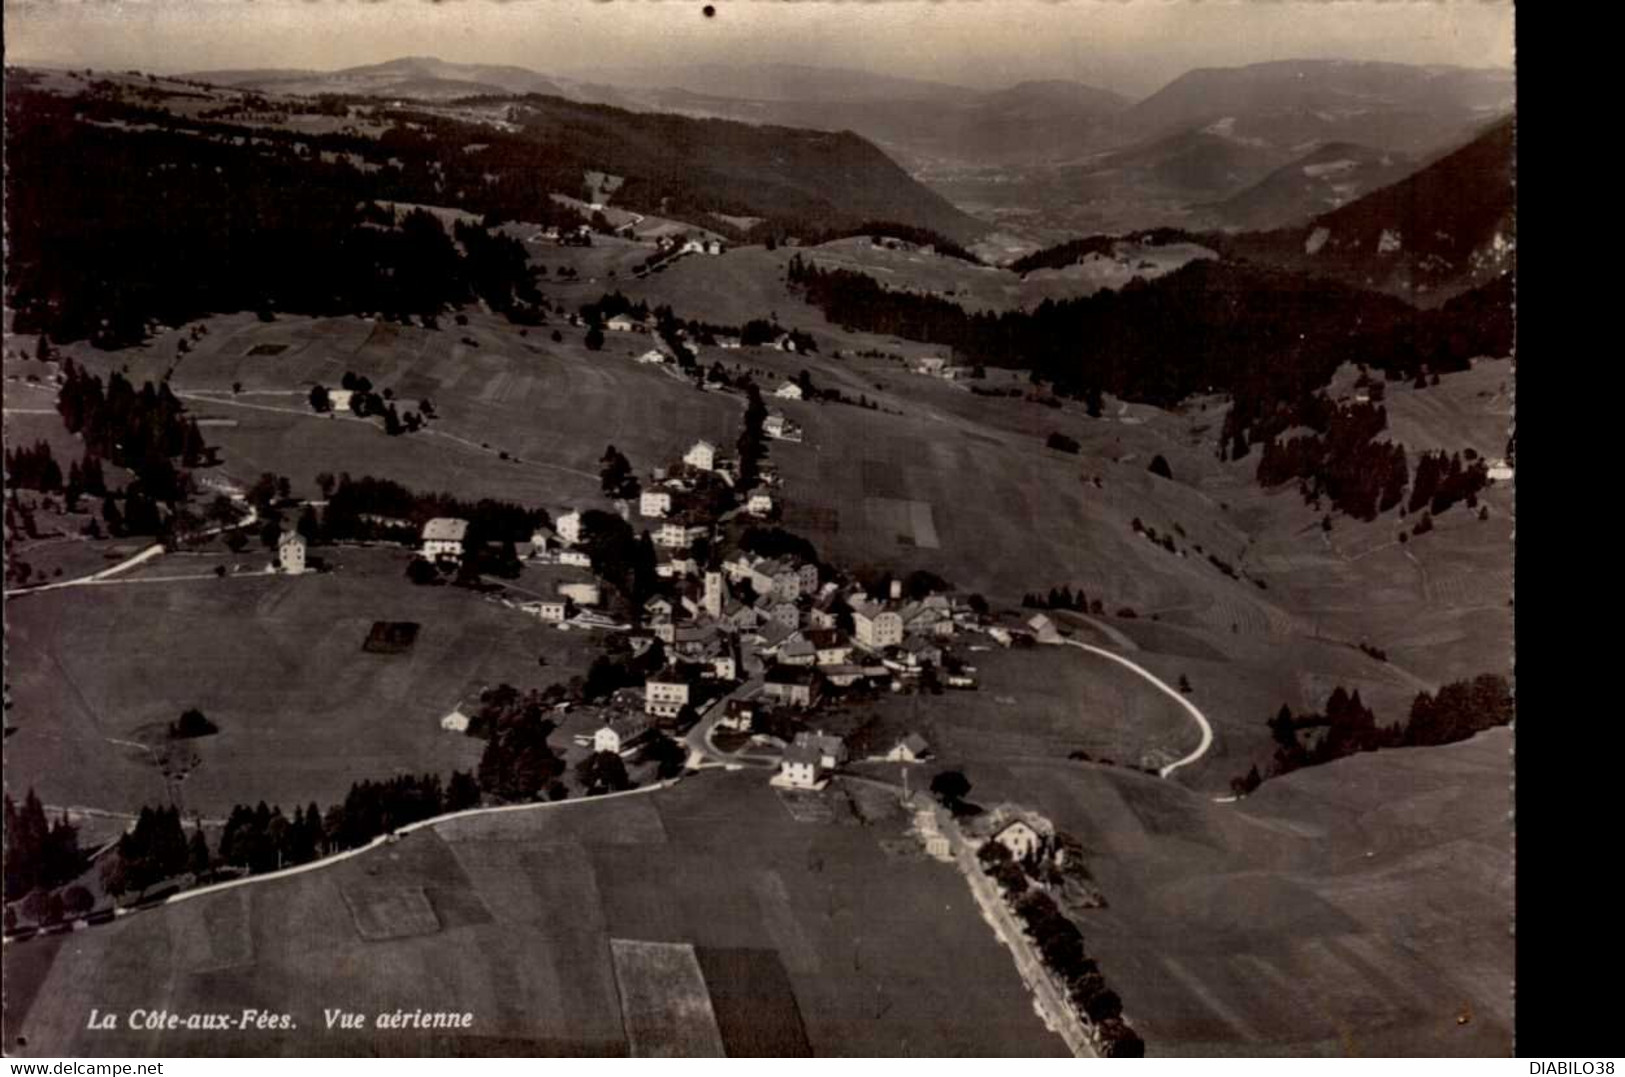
(752, 648)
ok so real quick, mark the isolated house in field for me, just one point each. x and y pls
(1043, 628)
(702, 454)
(569, 527)
(781, 428)
(800, 769)
(340, 399)
(875, 626)
(621, 323)
(788, 391)
(665, 694)
(1020, 839)
(911, 749)
(713, 246)
(931, 364)
(1500, 470)
(617, 735)
(652, 357)
(443, 538)
(553, 610)
(290, 552)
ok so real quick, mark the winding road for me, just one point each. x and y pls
(1172, 693)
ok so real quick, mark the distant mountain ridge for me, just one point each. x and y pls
(1444, 230)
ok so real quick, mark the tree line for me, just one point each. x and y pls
(1459, 710)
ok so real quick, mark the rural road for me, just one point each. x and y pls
(1172, 693)
(128, 563)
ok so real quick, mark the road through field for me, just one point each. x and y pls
(1171, 693)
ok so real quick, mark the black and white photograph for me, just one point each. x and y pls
(659, 529)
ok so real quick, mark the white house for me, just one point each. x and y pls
(675, 534)
(340, 398)
(290, 552)
(652, 357)
(911, 749)
(1043, 627)
(582, 594)
(800, 769)
(788, 391)
(931, 364)
(553, 609)
(443, 537)
(760, 503)
(1020, 839)
(575, 558)
(665, 694)
(616, 735)
(654, 503)
(702, 454)
(569, 527)
(875, 626)
(455, 722)
(1500, 470)
(621, 323)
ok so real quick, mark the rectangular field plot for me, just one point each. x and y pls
(754, 1003)
(911, 521)
(664, 1001)
(391, 913)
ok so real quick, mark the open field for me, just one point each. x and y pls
(1355, 908)
(277, 663)
(858, 952)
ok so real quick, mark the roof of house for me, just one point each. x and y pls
(445, 529)
(914, 743)
(825, 638)
(791, 675)
(667, 676)
(626, 726)
(288, 538)
(1012, 824)
(798, 647)
(804, 754)
(824, 742)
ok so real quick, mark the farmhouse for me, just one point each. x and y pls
(569, 527)
(455, 722)
(665, 694)
(582, 594)
(702, 454)
(339, 399)
(1020, 839)
(799, 769)
(443, 537)
(788, 391)
(931, 364)
(654, 503)
(1500, 470)
(290, 552)
(619, 733)
(796, 686)
(652, 357)
(911, 749)
(832, 751)
(779, 427)
(622, 323)
(575, 558)
(875, 626)
(1043, 628)
(552, 609)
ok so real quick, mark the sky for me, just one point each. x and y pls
(1132, 46)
